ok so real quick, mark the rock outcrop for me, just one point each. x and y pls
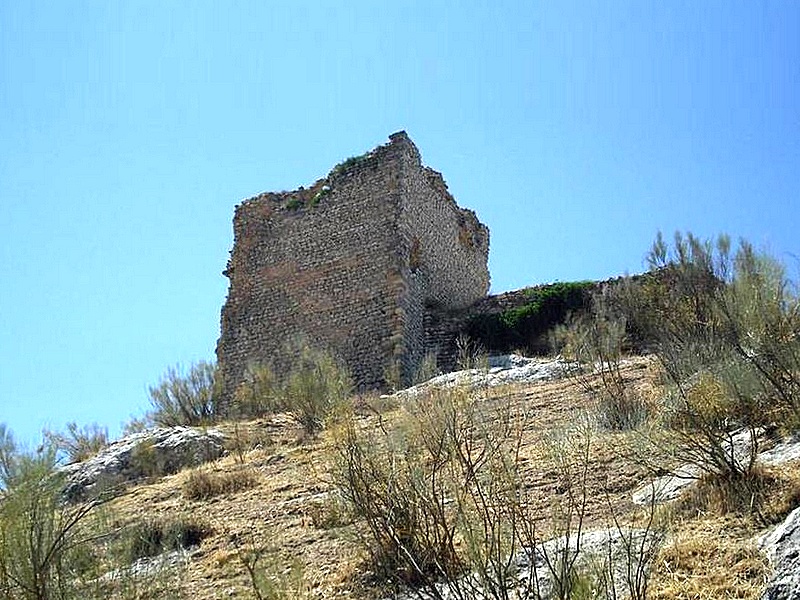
(782, 546)
(500, 370)
(149, 453)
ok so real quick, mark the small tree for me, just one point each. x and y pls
(186, 399)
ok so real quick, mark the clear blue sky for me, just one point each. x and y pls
(130, 130)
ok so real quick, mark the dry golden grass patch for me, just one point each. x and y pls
(709, 558)
(765, 498)
(204, 483)
(713, 552)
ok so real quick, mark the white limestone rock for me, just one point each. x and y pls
(149, 453)
(503, 370)
(782, 546)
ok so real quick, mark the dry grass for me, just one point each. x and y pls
(274, 511)
(286, 510)
(203, 483)
(713, 553)
(765, 497)
(709, 559)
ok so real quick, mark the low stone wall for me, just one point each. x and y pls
(444, 326)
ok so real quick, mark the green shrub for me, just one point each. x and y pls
(156, 536)
(319, 195)
(349, 163)
(723, 325)
(316, 386)
(294, 204)
(186, 399)
(592, 343)
(258, 394)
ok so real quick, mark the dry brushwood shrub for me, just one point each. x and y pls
(434, 490)
(152, 537)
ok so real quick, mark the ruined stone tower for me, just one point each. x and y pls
(351, 264)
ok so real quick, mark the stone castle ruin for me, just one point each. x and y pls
(360, 264)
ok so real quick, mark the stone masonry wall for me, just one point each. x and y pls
(351, 265)
(447, 249)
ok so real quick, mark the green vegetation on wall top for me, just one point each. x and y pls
(349, 162)
(525, 327)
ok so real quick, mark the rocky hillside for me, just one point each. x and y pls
(269, 517)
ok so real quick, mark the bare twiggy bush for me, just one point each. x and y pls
(608, 563)
(437, 497)
(641, 540)
(79, 443)
(246, 438)
(470, 354)
(441, 504)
